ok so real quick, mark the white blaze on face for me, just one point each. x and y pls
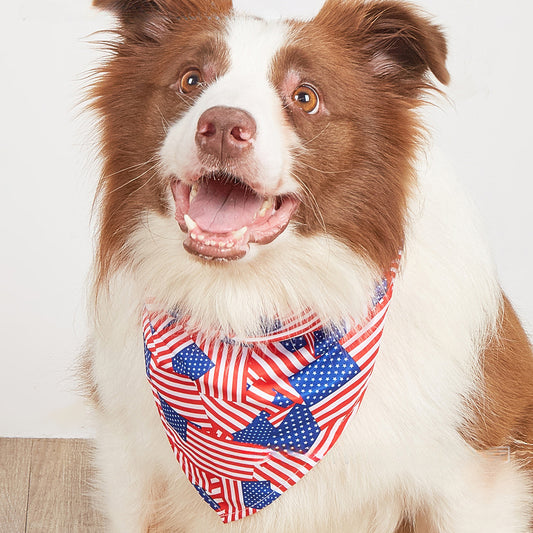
(252, 44)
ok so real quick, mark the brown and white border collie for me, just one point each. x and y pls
(258, 169)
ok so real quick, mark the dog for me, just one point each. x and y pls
(326, 345)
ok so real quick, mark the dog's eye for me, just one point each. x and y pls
(306, 98)
(190, 81)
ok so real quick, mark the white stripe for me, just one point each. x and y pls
(259, 392)
(288, 473)
(271, 374)
(183, 384)
(173, 335)
(253, 374)
(369, 356)
(205, 461)
(342, 393)
(268, 475)
(173, 350)
(241, 383)
(324, 418)
(182, 397)
(275, 359)
(220, 421)
(222, 365)
(236, 493)
(209, 465)
(204, 478)
(237, 450)
(371, 323)
(361, 346)
(208, 381)
(197, 418)
(175, 343)
(319, 448)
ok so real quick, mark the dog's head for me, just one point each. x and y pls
(240, 128)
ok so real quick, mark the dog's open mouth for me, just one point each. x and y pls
(222, 216)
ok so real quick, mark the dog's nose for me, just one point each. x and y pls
(225, 132)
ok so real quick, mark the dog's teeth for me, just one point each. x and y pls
(194, 192)
(200, 237)
(267, 204)
(239, 234)
(190, 223)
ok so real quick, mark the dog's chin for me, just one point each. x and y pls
(221, 216)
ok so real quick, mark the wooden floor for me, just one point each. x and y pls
(44, 486)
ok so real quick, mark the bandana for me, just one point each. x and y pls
(248, 418)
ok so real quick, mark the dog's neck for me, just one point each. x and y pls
(289, 277)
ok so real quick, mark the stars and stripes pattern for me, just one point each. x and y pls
(248, 418)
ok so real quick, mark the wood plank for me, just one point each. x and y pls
(59, 488)
(15, 461)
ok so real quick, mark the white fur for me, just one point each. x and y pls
(403, 449)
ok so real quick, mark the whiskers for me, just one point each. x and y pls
(321, 132)
(324, 171)
(164, 121)
(154, 166)
(153, 170)
(309, 200)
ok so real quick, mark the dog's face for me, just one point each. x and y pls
(240, 128)
(229, 155)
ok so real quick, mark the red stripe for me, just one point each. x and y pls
(285, 470)
(236, 465)
(229, 418)
(340, 401)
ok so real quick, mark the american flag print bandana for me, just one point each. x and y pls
(248, 418)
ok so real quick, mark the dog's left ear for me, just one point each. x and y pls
(400, 42)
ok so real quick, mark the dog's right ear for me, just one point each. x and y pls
(140, 19)
(129, 10)
(150, 17)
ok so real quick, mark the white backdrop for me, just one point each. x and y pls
(48, 181)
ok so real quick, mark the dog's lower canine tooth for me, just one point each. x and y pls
(190, 223)
(239, 234)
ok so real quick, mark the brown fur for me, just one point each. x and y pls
(86, 379)
(371, 109)
(504, 415)
(135, 101)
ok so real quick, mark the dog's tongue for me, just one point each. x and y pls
(222, 206)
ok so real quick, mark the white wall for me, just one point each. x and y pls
(47, 181)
